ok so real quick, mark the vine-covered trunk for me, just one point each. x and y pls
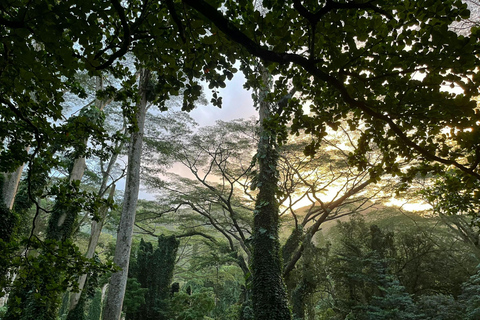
(118, 282)
(268, 291)
(8, 222)
(39, 301)
(64, 214)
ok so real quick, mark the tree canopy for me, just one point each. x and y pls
(397, 73)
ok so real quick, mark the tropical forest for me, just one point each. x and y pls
(239, 159)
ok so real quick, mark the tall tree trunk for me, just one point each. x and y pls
(27, 301)
(96, 226)
(95, 231)
(8, 187)
(118, 282)
(62, 221)
(269, 296)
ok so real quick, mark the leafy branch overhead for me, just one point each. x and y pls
(387, 64)
(357, 99)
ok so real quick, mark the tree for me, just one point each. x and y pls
(387, 257)
(456, 203)
(37, 120)
(440, 307)
(10, 185)
(366, 56)
(118, 281)
(95, 308)
(223, 151)
(469, 297)
(268, 293)
(219, 199)
(365, 69)
(134, 296)
(154, 272)
(315, 179)
(193, 306)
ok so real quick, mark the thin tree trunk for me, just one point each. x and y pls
(60, 226)
(96, 227)
(118, 281)
(10, 185)
(95, 231)
(61, 222)
(268, 291)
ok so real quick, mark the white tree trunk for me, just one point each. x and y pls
(95, 231)
(9, 191)
(118, 282)
(79, 164)
(77, 172)
(78, 169)
(96, 227)
(10, 185)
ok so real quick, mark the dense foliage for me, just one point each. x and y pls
(153, 269)
(394, 78)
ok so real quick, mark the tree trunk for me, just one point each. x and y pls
(60, 227)
(96, 227)
(62, 221)
(78, 169)
(269, 296)
(118, 281)
(95, 231)
(10, 186)
(8, 189)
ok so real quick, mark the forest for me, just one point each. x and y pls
(353, 194)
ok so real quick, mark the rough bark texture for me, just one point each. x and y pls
(118, 282)
(269, 296)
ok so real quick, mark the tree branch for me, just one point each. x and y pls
(310, 66)
(126, 37)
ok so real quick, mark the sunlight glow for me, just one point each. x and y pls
(413, 206)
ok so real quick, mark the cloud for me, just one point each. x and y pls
(237, 103)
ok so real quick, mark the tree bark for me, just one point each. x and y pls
(96, 226)
(78, 169)
(268, 291)
(10, 185)
(9, 189)
(95, 231)
(118, 281)
(62, 220)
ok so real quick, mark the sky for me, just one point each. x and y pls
(237, 103)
